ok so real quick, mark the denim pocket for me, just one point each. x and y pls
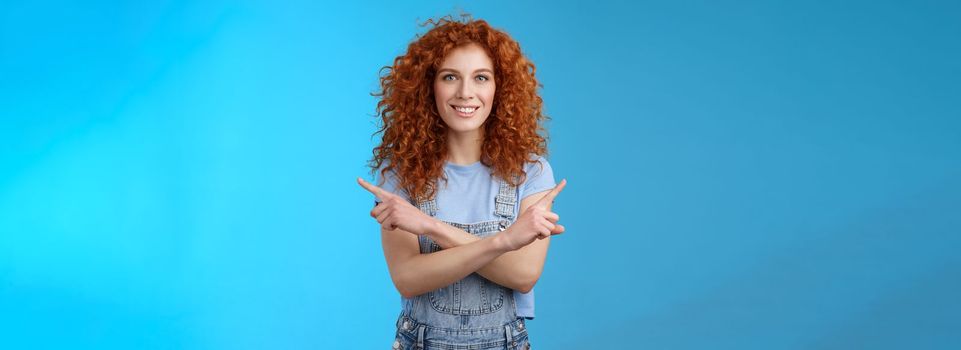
(473, 295)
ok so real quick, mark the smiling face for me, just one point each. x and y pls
(464, 88)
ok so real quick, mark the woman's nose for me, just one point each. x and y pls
(464, 91)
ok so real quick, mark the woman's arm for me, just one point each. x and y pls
(518, 270)
(414, 273)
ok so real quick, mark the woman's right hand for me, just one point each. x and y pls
(394, 212)
(537, 222)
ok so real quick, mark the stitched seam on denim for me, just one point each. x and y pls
(474, 346)
(518, 333)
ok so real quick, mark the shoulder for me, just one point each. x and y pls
(536, 165)
(539, 176)
(385, 176)
(390, 181)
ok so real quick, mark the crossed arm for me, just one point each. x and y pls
(513, 258)
(518, 270)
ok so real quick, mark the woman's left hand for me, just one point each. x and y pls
(394, 212)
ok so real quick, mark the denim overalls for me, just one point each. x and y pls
(473, 313)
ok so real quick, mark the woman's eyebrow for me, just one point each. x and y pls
(455, 71)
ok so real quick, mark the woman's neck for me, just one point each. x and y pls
(464, 148)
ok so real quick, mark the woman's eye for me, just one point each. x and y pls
(451, 76)
(483, 77)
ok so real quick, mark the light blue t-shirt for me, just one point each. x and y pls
(468, 197)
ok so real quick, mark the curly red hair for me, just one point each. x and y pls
(414, 141)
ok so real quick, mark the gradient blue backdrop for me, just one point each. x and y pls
(742, 175)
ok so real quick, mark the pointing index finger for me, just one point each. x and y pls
(549, 197)
(376, 191)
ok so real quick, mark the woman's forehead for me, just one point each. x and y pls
(467, 59)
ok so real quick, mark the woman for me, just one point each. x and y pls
(465, 200)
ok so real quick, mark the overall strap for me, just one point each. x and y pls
(429, 207)
(505, 202)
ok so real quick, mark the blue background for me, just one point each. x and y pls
(750, 175)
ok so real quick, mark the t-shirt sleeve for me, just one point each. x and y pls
(540, 177)
(390, 183)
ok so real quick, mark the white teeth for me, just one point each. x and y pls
(465, 109)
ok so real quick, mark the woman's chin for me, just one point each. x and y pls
(464, 130)
(464, 126)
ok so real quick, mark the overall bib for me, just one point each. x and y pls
(472, 313)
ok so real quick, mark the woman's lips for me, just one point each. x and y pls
(465, 112)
